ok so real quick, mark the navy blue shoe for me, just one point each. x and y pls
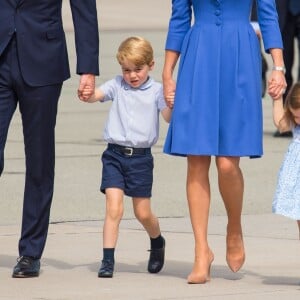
(107, 269)
(26, 267)
(285, 134)
(156, 259)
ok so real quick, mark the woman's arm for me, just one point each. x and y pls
(268, 22)
(169, 85)
(277, 83)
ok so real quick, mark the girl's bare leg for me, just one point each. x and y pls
(198, 195)
(231, 185)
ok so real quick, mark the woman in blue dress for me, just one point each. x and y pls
(218, 109)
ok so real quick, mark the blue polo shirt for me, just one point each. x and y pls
(133, 118)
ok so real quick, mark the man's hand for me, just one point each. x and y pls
(86, 86)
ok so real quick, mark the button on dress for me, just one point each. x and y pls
(218, 107)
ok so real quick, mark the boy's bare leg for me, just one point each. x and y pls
(143, 213)
(113, 216)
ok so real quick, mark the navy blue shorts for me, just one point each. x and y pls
(132, 174)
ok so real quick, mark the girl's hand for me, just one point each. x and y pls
(276, 84)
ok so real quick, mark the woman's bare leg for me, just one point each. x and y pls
(231, 185)
(198, 195)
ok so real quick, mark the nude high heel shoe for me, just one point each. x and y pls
(201, 270)
(235, 253)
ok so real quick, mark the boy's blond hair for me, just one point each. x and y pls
(136, 50)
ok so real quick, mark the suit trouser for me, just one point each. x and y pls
(38, 108)
(291, 31)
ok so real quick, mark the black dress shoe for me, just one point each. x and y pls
(26, 267)
(156, 259)
(283, 134)
(107, 269)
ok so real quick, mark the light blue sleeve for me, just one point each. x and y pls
(268, 23)
(109, 88)
(179, 24)
(161, 103)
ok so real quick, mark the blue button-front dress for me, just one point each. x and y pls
(218, 109)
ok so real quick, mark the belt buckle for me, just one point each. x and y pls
(128, 151)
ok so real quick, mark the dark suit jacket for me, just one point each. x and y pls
(41, 40)
(253, 16)
(282, 9)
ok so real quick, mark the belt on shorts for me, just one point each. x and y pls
(129, 151)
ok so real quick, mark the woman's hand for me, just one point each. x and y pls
(276, 84)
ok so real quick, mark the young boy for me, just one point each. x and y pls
(131, 129)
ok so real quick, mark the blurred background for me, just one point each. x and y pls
(79, 130)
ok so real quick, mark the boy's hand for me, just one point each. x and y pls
(169, 92)
(170, 99)
(86, 94)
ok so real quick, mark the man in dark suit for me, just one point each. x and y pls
(33, 66)
(289, 22)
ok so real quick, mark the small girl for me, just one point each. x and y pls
(287, 195)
